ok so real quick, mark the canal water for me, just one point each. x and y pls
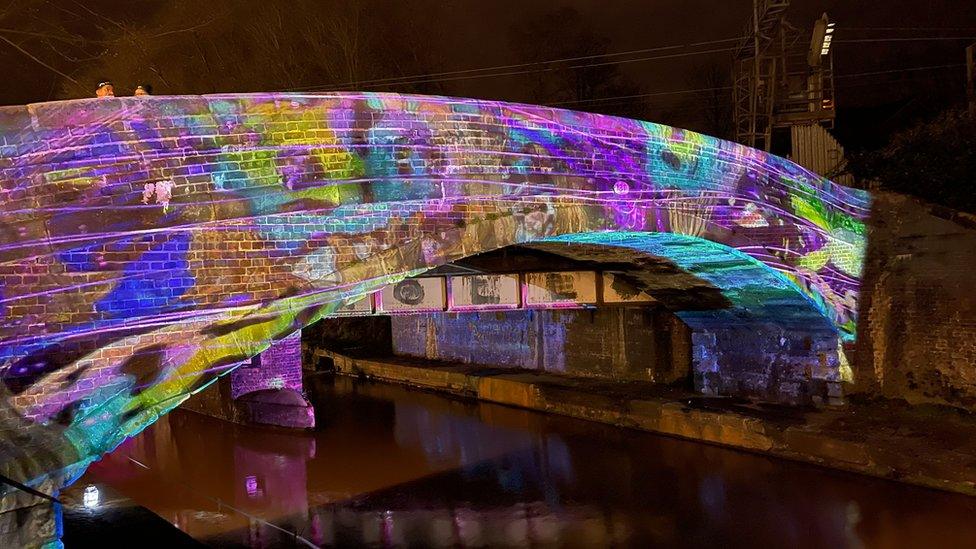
(392, 466)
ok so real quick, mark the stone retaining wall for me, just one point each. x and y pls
(917, 335)
(613, 342)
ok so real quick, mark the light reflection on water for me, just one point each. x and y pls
(390, 466)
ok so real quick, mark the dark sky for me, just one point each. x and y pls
(463, 34)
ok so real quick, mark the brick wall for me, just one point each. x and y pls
(917, 337)
(279, 367)
(266, 390)
(614, 342)
(769, 362)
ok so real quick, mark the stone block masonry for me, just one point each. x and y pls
(918, 338)
(623, 343)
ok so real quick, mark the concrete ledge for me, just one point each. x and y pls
(900, 444)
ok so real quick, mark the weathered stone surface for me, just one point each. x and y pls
(917, 337)
(35, 526)
(615, 342)
(774, 363)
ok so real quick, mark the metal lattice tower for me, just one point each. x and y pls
(780, 77)
(754, 73)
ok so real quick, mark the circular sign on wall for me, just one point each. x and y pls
(409, 292)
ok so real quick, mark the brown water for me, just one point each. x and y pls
(389, 466)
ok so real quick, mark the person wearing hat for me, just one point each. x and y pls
(104, 89)
(142, 90)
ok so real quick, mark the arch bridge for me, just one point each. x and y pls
(148, 245)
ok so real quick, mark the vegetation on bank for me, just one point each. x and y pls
(934, 160)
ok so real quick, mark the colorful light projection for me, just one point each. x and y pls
(148, 245)
(754, 291)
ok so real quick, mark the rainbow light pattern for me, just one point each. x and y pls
(148, 245)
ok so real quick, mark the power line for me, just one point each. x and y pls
(639, 95)
(911, 69)
(628, 98)
(552, 69)
(466, 74)
(520, 65)
(676, 55)
(632, 97)
(915, 39)
(433, 77)
(37, 60)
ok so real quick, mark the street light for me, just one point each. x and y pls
(823, 35)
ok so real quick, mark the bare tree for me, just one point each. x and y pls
(242, 47)
(715, 98)
(36, 31)
(580, 84)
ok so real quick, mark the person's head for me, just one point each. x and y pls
(142, 89)
(104, 89)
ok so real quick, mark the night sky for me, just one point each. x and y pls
(87, 41)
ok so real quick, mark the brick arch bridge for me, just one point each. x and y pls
(148, 245)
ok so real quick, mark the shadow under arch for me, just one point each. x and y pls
(765, 338)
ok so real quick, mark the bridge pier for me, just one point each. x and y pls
(265, 391)
(768, 362)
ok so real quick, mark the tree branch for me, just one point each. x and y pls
(36, 60)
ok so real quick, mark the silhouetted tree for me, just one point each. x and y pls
(254, 46)
(934, 160)
(715, 99)
(579, 84)
(37, 33)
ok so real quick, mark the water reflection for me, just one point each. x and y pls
(393, 467)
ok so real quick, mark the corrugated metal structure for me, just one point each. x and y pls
(781, 76)
(816, 150)
(971, 77)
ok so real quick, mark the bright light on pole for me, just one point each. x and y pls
(828, 37)
(823, 35)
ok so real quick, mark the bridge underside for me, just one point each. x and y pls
(749, 332)
(150, 245)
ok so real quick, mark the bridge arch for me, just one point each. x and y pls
(148, 245)
(737, 307)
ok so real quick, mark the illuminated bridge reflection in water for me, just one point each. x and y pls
(392, 466)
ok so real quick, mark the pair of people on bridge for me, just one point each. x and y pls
(106, 89)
